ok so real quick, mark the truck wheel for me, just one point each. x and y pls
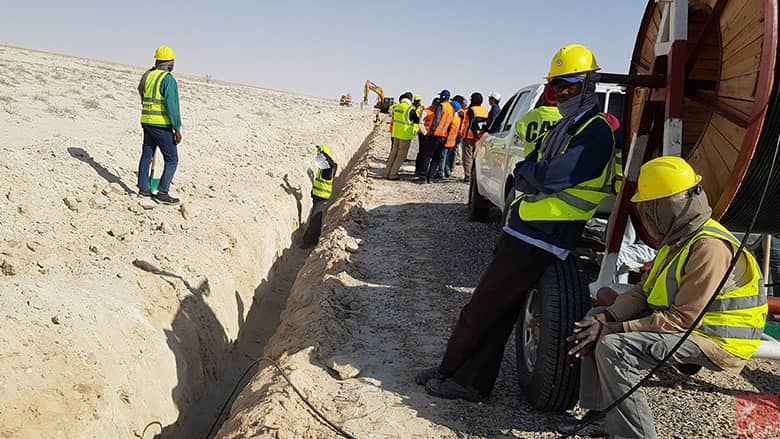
(479, 206)
(510, 196)
(549, 377)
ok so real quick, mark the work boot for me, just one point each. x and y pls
(426, 375)
(144, 192)
(449, 389)
(593, 424)
(164, 198)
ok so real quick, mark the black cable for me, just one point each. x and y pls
(330, 424)
(695, 323)
(143, 433)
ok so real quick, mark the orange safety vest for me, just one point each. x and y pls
(479, 112)
(452, 134)
(428, 119)
(461, 130)
(447, 113)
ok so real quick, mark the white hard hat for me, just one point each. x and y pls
(495, 96)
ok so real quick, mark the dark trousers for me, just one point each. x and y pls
(155, 137)
(476, 346)
(434, 150)
(314, 228)
(418, 159)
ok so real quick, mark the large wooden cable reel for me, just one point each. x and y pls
(721, 83)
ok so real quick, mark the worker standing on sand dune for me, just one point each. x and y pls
(161, 122)
(643, 324)
(561, 189)
(321, 191)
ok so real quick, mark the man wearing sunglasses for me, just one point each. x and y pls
(561, 183)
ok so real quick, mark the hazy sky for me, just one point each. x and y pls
(327, 48)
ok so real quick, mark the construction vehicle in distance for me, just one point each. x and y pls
(346, 100)
(382, 103)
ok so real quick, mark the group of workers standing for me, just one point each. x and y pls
(448, 123)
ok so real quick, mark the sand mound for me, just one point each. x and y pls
(91, 344)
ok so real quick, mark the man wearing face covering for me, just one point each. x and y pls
(643, 324)
(560, 187)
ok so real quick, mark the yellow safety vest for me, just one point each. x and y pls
(154, 111)
(403, 128)
(736, 319)
(322, 187)
(577, 203)
(532, 127)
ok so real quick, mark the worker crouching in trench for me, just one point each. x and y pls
(642, 325)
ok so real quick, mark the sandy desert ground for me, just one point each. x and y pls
(91, 345)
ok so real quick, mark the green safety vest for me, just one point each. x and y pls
(403, 128)
(154, 111)
(577, 203)
(322, 187)
(532, 127)
(736, 319)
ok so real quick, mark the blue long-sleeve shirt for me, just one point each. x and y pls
(584, 159)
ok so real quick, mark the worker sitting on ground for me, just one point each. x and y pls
(561, 187)
(161, 123)
(321, 190)
(643, 324)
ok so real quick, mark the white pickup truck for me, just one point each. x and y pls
(500, 148)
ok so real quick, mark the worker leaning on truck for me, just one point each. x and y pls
(562, 187)
(643, 324)
(532, 127)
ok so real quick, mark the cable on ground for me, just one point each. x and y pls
(273, 363)
(703, 311)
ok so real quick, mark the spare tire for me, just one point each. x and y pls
(549, 377)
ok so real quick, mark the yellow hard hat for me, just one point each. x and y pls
(663, 177)
(324, 148)
(572, 60)
(164, 53)
(417, 98)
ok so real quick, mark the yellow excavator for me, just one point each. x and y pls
(382, 103)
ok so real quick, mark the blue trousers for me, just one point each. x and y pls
(158, 137)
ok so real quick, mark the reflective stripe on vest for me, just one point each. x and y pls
(452, 135)
(322, 187)
(736, 319)
(154, 111)
(577, 203)
(618, 184)
(447, 113)
(403, 128)
(479, 113)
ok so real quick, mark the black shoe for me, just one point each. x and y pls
(426, 375)
(145, 192)
(164, 198)
(592, 424)
(449, 389)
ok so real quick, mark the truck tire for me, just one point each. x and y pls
(548, 376)
(479, 206)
